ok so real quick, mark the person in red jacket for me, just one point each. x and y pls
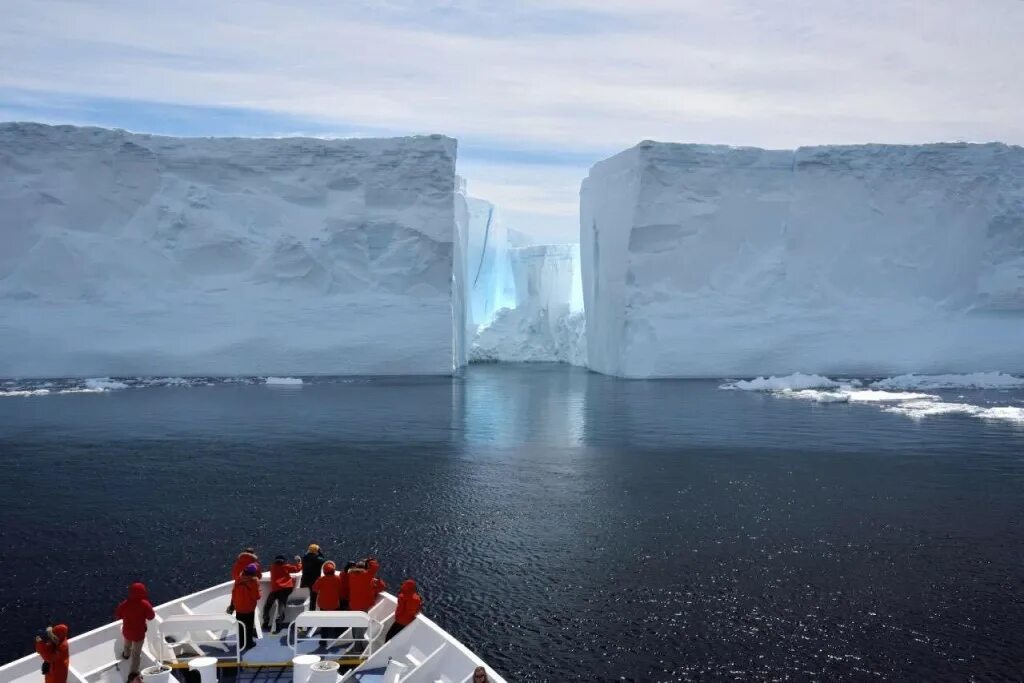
(328, 597)
(244, 559)
(377, 586)
(344, 585)
(134, 613)
(245, 596)
(360, 585)
(409, 604)
(281, 586)
(54, 651)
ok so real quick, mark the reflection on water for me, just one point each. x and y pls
(638, 530)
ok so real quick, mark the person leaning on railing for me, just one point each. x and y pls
(409, 603)
(53, 648)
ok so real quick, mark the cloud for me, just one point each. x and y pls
(554, 77)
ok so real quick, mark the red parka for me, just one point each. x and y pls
(409, 603)
(244, 560)
(245, 595)
(135, 612)
(281, 575)
(360, 587)
(56, 654)
(328, 589)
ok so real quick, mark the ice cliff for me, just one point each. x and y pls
(544, 321)
(525, 300)
(125, 254)
(872, 259)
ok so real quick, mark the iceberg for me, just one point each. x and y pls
(488, 264)
(712, 261)
(544, 321)
(128, 255)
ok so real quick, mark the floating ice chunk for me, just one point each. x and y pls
(1010, 413)
(283, 381)
(166, 382)
(922, 409)
(872, 396)
(817, 395)
(24, 392)
(104, 384)
(975, 380)
(795, 382)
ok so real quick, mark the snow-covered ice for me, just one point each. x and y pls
(127, 254)
(796, 381)
(711, 261)
(913, 404)
(544, 321)
(976, 380)
(283, 381)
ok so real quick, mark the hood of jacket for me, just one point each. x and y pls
(138, 591)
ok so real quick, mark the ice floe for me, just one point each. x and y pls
(894, 394)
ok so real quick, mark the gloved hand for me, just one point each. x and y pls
(231, 609)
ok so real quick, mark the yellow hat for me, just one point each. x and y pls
(313, 548)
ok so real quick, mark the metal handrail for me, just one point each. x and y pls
(196, 642)
(373, 631)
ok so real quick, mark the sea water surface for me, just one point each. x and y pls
(564, 525)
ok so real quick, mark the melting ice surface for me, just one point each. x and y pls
(895, 394)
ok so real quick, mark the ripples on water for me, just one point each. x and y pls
(565, 525)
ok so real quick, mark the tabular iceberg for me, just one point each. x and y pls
(129, 254)
(711, 261)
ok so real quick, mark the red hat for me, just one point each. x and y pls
(329, 567)
(61, 631)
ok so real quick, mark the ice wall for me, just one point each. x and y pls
(488, 267)
(126, 254)
(872, 259)
(545, 320)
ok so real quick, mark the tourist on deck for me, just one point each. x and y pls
(312, 564)
(345, 590)
(328, 591)
(245, 596)
(281, 586)
(54, 651)
(134, 677)
(244, 559)
(360, 585)
(134, 612)
(480, 675)
(377, 586)
(409, 604)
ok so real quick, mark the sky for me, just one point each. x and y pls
(536, 91)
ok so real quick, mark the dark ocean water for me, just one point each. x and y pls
(565, 525)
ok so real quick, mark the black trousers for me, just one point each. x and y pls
(279, 598)
(395, 629)
(248, 619)
(312, 599)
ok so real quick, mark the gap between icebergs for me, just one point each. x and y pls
(913, 404)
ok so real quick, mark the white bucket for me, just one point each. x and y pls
(324, 672)
(206, 666)
(160, 673)
(301, 665)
